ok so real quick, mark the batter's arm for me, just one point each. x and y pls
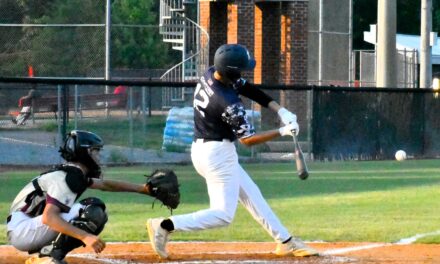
(274, 106)
(250, 91)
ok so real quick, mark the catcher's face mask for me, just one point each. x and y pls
(94, 163)
(94, 154)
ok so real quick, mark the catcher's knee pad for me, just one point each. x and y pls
(92, 219)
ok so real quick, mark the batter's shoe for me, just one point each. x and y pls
(158, 236)
(44, 260)
(295, 247)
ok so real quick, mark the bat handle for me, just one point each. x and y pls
(295, 140)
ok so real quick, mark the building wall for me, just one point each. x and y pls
(275, 32)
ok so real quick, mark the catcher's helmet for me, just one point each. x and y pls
(78, 147)
(231, 59)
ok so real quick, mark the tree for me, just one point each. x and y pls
(138, 47)
(64, 51)
(76, 51)
(10, 12)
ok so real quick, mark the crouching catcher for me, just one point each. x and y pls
(47, 216)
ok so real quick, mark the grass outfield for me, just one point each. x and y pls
(377, 201)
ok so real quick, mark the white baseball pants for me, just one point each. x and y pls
(29, 233)
(227, 183)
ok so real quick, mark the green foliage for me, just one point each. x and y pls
(11, 59)
(80, 51)
(147, 134)
(138, 47)
(49, 126)
(115, 131)
(12, 15)
(377, 201)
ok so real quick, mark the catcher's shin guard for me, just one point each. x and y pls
(91, 219)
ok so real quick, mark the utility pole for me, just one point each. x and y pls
(425, 47)
(386, 44)
(320, 42)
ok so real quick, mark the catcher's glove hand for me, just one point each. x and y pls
(163, 185)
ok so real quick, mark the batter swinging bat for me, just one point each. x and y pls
(301, 166)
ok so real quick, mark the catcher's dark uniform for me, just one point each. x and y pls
(220, 118)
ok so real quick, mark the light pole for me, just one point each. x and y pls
(386, 44)
(425, 47)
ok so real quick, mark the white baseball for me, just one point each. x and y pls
(400, 155)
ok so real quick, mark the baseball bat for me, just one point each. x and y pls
(301, 166)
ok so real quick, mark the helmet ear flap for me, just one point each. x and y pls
(71, 145)
(69, 149)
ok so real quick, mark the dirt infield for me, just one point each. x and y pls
(241, 252)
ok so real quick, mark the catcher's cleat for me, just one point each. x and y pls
(158, 236)
(296, 248)
(44, 260)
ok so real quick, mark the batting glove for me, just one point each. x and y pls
(289, 129)
(286, 116)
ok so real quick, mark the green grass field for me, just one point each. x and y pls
(377, 201)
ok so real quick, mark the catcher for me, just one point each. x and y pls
(45, 217)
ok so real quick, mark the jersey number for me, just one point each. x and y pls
(198, 104)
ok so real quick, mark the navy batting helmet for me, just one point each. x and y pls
(231, 59)
(78, 147)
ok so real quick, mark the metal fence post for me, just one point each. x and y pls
(60, 137)
(130, 121)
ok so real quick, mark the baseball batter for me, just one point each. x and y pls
(45, 217)
(220, 119)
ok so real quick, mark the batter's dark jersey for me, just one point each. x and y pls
(218, 111)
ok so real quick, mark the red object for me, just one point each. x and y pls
(30, 71)
(120, 89)
(20, 102)
(14, 113)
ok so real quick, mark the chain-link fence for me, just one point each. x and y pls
(346, 123)
(363, 70)
(129, 119)
(68, 39)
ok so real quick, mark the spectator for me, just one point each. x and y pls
(25, 102)
(122, 101)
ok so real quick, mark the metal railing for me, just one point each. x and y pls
(363, 72)
(192, 40)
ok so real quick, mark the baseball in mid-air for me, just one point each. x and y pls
(400, 155)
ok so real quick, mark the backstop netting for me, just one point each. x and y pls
(139, 127)
(374, 124)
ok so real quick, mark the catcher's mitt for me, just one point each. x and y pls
(164, 187)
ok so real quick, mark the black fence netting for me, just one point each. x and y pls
(374, 124)
(337, 123)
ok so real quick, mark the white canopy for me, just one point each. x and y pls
(403, 41)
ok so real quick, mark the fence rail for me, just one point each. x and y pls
(346, 123)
